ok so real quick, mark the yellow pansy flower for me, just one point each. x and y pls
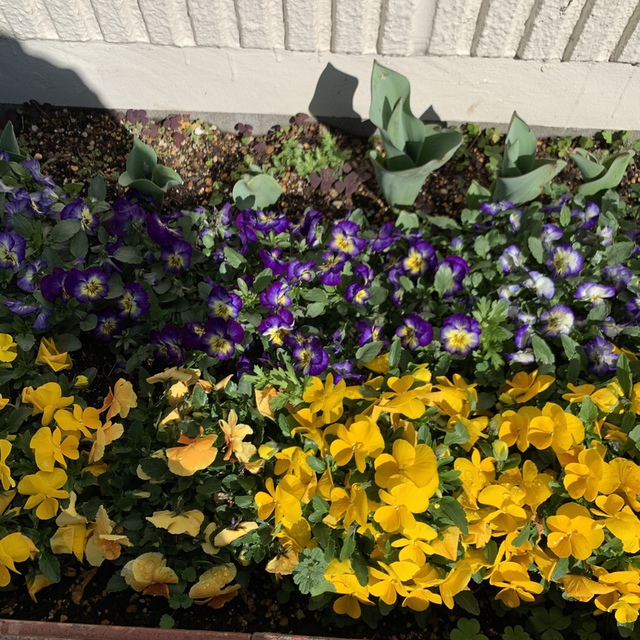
(149, 574)
(507, 501)
(341, 575)
(573, 532)
(606, 398)
(582, 588)
(234, 434)
(311, 426)
(626, 609)
(120, 400)
(389, 583)
(197, 454)
(475, 475)
(49, 448)
(213, 586)
(361, 440)
(80, 420)
(401, 501)
(5, 473)
(417, 464)
(555, 428)
(262, 397)
(514, 583)
(414, 545)
(227, 536)
(72, 533)
(46, 399)
(104, 435)
(48, 354)
(475, 427)
(44, 489)
(326, 398)
(582, 478)
(514, 426)
(188, 522)
(623, 477)
(620, 520)
(453, 397)
(456, 581)
(348, 507)
(8, 352)
(15, 547)
(284, 499)
(525, 386)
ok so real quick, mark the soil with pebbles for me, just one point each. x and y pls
(74, 145)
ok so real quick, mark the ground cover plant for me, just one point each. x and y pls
(394, 418)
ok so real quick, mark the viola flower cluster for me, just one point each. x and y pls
(406, 493)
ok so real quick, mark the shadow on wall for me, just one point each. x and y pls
(24, 76)
(332, 104)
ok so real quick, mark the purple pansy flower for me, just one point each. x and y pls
(108, 325)
(611, 328)
(515, 220)
(21, 308)
(384, 238)
(594, 293)
(618, 275)
(307, 228)
(557, 321)
(134, 302)
(357, 294)
(88, 285)
(27, 280)
(369, 332)
(421, 257)
(33, 167)
(221, 337)
(276, 296)
(414, 332)
(601, 356)
(493, 208)
(605, 234)
(223, 304)
(460, 334)
(12, 250)
(550, 234)
(365, 272)
(346, 371)
(169, 343)
(78, 210)
(525, 356)
(632, 310)
(160, 232)
(271, 221)
(523, 335)
(556, 207)
(52, 286)
(272, 259)
(510, 259)
(564, 261)
(298, 271)
(275, 328)
(310, 358)
(177, 257)
(345, 239)
(541, 285)
(192, 334)
(42, 319)
(588, 218)
(456, 244)
(330, 271)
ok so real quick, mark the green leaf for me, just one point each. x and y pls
(443, 280)
(619, 252)
(348, 546)
(49, 565)
(116, 583)
(166, 621)
(368, 352)
(623, 374)
(395, 352)
(562, 568)
(468, 602)
(458, 435)
(535, 246)
(524, 535)
(309, 573)
(588, 410)
(97, 188)
(407, 221)
(25, 341)
(481, 246)
(141, 161)
(257, 192)
(234, 258)
(542, 352)
(315, 309)
(127, 255)
(64, 230)
(79, 245)
(316, 464)
(9, 143)
(454, 511)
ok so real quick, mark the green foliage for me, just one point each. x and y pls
(599, 177)
(523, 177)
(467, 629)
(412, 150)
(515, 633)
(258, 191)
(145, 174)
(309, 573)
(9, 143)
(549, 624)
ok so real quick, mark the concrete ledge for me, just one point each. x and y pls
(572, 96)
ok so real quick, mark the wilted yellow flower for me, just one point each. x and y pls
(227, 536)
(104, 435)
(325, 398)
(573, 532)
(46, 399)
(49, 448)
(178, 523)
(49, 354)
(178, 374)
(44, 489)
(198, 454)
(149, 573)
(37, 583)
(234, 434)
(212, 588)
(525, 386)
(8, 352)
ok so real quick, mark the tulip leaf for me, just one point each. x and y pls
(256, 192)
(9, 143)
(527, 187)
(601, 177)
(141, 161)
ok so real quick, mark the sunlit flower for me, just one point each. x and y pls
(120, 400)
(564, 261)
(345, 239)
(341, 575)
(594, 293)
(525, 386)
(80, 420)
(222, 304)
(360, 441)
(557, 321)
(389, 583)
(197, 454)
(414, 332)
(573, 532)
(460, 334)
(49, 448)
(542, 286)
(213, 586)
(326, 398)
(8, 352)
(555, 428)
(234, 434)
(401, 501)
(46, 399)
(421, 257)
(188, 522)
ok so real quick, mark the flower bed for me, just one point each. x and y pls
(418, 416)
